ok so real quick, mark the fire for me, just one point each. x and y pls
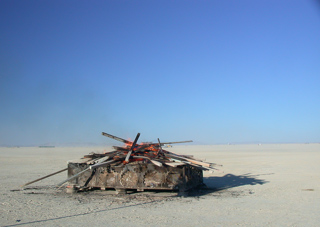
(145, 146)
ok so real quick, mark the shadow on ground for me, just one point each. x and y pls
(214, 184)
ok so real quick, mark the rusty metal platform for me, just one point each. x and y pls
(137, 175)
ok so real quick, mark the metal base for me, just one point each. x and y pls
(140, 176)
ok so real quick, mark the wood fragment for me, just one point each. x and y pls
(174, 164)
(100, 164)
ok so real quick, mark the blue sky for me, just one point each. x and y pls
(211, 71)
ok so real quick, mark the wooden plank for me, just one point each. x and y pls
(132, 147)
(175, 164)
(102, 159)
(100, 164)
(44, 177)
(82, 160)
(157, 163)
(170, 154)
(74, 176)
(187, 141)
(116, 138)
(121, 148)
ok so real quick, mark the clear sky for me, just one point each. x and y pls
(211, 71)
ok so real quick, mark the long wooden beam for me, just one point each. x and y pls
(44, 177)
(74, 176)
(115, 138)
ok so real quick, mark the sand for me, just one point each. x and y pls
(258, 185)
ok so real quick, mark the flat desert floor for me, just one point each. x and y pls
(258, 185)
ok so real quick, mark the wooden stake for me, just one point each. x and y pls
(44, 177)
(132, 147)
(74, 176)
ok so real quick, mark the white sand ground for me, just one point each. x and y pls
(267, 185)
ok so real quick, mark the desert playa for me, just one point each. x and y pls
(258, 185)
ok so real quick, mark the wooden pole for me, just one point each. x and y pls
(44, 177)
(132, 147)
(99, 164)
(160, 148)
(115, 138)
(74, 176)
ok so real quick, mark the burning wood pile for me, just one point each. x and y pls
(139, 166)
(151, 152)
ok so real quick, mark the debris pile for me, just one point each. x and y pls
(138, 166)
(148, 152)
